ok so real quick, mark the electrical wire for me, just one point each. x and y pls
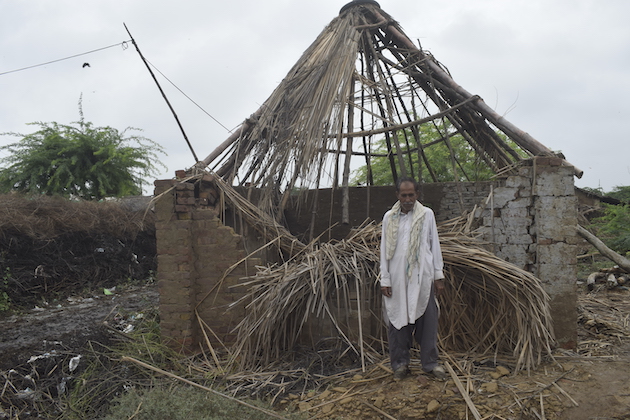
(124, 45)
(189, 98)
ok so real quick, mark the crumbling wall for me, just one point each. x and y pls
(200, 263)
(531, 221)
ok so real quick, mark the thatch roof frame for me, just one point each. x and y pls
(361, 79)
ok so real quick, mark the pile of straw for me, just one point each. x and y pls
(490, 307)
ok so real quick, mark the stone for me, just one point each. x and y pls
(503, 370)
(304, 406)
(433, 406)
(490, 387)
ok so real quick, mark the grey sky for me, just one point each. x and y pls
(558, 69)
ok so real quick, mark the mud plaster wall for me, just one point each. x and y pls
(529, 219)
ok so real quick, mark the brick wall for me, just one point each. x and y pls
(195, 252)
(528, 218)
(531, 221)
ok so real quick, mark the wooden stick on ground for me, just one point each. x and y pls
(469, 403)
(378, 410)
(179, 378)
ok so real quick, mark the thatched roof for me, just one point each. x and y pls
(362, 80)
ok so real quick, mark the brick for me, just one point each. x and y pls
(159, 190)
(180, 173)
(188, 201)
(185, 193)
(207, 215)
(182, 208)
(174, 308)
(183, 267)
(164, 183)
(184, 186)
(184, 216)
(548, 161)
(175, 258)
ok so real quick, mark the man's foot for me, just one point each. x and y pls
(401, 372)
(439, 373)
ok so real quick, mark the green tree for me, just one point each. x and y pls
(79, 160)
(614, 227)
(468, 166)
(620, 193)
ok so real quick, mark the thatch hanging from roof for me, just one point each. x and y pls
(361, 80)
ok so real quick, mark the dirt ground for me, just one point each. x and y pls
(591, 382)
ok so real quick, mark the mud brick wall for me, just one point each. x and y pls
(195, 251)
(531, 222)
(529, 219)
(448, 200)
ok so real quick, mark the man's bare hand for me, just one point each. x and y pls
(386, 291)
(439, 286)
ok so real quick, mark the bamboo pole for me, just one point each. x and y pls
(247, 125)
(345, 200)
(519, 136)
(179, 124)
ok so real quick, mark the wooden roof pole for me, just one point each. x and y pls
(247, 125)
(520, 136)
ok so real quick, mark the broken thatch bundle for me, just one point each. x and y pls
(492, 306)
(337, 281)
(283, 298)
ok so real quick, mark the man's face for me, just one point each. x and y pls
(407, 195)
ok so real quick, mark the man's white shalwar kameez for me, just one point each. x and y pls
(410, 296)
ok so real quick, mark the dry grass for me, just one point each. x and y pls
(44, 217)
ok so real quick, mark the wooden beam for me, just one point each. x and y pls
(621, 261)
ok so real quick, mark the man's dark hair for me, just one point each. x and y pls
(400, 180)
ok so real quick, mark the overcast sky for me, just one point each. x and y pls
(558, 69)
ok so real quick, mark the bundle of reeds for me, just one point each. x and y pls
(490, 307)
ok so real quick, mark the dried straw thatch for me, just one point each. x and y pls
(360, 81)
(333, 280)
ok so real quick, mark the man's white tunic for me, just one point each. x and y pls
(410, 296)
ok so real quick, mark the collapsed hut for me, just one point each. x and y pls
(265, 245)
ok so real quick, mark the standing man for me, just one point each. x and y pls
(411, 276)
